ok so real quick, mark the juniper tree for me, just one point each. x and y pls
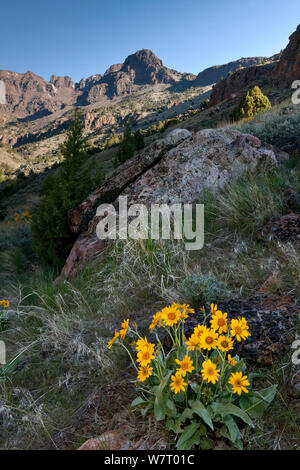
(62, 191)
(252, 103)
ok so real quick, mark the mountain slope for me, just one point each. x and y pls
(217, 72)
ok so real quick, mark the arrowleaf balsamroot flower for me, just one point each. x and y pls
(238, 382)
(111, 342)
(124, 329)
(146, 354)
(156, 321)
(171, 315)
(213, 308)
(239, 329)
(144, 372)
(141, 343)
(177, 383)
(210, 371)
(219, 321)
(5, 303)
(186, 365)
(199, 330)
(231, 360)
(224, 343)
(208, 339)
(193, 343)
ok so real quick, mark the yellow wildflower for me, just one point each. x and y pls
(193, 343)
(210, 371)
(231, 360)
(171, 315)
(208, 339)
(177, 383)
(219, 321)
(141, 343)
(224, 343)
(144, 372)
(238, 382)
(111, 342)
(146, 355)
(156, 321)
(213, 308)
(199, 330)
(186, 365)
(239, 329)
(124, 329)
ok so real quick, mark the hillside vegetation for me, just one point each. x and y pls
(65, 386)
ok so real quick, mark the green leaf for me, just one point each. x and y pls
(187, 434)
(174, 425)
(9, 367)
(137, 401)
(171, 408)
(160, 388)
(186, 414)
(232, 427)
(195, 387)
(194, 440)
(268, 394)
(160, 401)
(179, 397)
(225, 409)
(239, 444)
(201, 411)
(205, 444)
(159, 410)
(257, 402)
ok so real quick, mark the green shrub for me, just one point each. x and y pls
(253, 103)
(200, 290)
(280, 127)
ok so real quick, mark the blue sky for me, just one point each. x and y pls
(80, 38)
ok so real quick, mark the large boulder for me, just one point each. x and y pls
(208, 161)
(177, 168)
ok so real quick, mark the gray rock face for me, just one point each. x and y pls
(177, 168)
(207, 160)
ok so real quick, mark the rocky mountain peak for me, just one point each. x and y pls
(143, 58)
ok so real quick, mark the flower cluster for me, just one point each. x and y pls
(204, 342)
(20, 218)
(188, 381)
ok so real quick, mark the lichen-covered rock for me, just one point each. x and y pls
(210, 159)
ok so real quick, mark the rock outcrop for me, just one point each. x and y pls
(218, 72)
(237, 83)
(288, 69)
(175, 169)
(277, 74)
(28, 95)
